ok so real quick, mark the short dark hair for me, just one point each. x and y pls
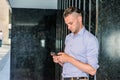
(70, 10)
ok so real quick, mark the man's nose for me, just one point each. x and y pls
(69, 27)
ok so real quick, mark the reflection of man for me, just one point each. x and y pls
(80, 57)
(1, 35)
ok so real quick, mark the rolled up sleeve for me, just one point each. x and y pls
(93, 52)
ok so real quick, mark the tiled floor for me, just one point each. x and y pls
(5, 62)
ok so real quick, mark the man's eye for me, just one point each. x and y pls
(71, 23)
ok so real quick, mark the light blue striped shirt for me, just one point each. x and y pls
(84, 47)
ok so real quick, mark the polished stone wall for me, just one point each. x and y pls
(33, 37)
(109, 38)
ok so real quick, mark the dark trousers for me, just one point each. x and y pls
(74, 78)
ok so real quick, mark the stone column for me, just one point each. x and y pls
(4, 21)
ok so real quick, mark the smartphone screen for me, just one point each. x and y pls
(53, 53)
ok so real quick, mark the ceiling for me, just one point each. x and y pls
(40, 4)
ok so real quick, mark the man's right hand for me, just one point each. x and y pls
(56, 59)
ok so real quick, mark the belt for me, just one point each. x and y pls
(76, 78)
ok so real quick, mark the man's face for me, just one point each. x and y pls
(73, 23)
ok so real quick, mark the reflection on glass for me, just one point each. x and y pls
(42, 42)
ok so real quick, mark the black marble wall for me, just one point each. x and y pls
(109, 37)
(33, 37)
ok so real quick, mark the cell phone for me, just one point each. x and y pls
(53, 54)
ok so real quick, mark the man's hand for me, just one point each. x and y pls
(63, 57)
(56, 59)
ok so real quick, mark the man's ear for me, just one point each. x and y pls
(80, 18)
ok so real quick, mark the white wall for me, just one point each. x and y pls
(41, 4)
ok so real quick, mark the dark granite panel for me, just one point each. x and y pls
(33, 37)
(109, 37)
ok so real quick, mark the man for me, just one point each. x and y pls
(80, 57)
